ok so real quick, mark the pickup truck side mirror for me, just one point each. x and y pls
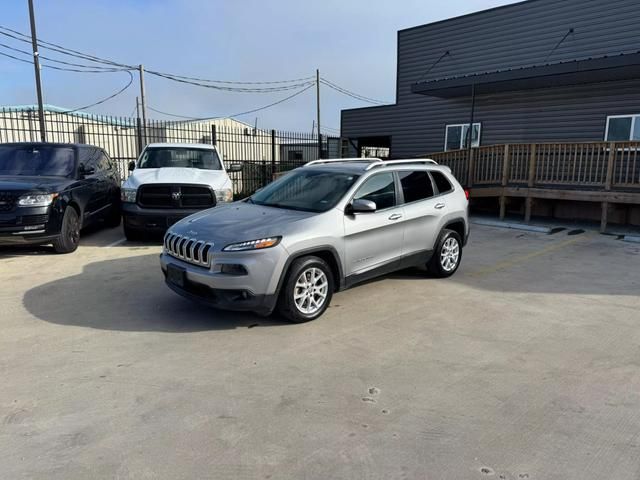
(235, 167)
(361, 206)
(132, 165)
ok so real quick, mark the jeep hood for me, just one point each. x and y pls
(239, 222)
(216, 179)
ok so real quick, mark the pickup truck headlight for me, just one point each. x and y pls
(253, 244)
(128, 195)
(36, 199)
(224, 196)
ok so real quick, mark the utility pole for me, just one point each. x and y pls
(318, 109)
(137, 107)
(143, 100)
(36, 66)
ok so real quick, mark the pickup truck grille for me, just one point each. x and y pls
(7, 201)
(188, 249)
(176, 196)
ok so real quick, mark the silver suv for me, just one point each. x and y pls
(319, 229)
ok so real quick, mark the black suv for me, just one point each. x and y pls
(49, 191)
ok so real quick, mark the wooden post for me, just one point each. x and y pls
(532, 177)
(604, 206)
(506, 163)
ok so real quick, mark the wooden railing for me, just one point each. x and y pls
(605, 172)
(575, 165)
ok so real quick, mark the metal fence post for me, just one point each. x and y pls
(214, 135)
(139, 135)
(273, 154)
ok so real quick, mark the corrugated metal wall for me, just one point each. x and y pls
(509, 37)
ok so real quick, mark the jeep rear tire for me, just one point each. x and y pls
(307, 290)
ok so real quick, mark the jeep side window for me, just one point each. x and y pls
(416, 185)
(442, 184)
(380, 189)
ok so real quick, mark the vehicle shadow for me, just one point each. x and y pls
(129, 294)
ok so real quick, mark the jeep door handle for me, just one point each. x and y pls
(439, 206)
(395, 216)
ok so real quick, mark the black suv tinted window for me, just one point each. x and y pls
(442, 183)
(104, 164)
(36, 160)
(380, 189)
(415, 185)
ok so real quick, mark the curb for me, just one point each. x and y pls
(631, 238)
(513, 226)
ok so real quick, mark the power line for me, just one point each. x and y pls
(104, 99)
(280, 88)
(53, 67)
(234, 114)
(91, 68)
(349, 93)
(61, 49)
(202, 82)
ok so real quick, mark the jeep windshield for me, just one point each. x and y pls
(180, 157)
(37, 160)
(305, 189)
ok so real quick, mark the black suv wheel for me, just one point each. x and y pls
(69, 237)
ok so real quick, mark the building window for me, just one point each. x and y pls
(622, 128)
(455, 137)
(294, 155)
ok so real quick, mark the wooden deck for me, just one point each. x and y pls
(605, 172)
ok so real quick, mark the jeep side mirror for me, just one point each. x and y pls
(235, 167)
(362, 206)
(132, 165)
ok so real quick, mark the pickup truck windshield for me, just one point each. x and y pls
(180, 158)
(36, 160)
(305, 189)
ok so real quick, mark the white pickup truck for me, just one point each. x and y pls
(170, 181)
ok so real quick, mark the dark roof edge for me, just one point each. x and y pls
(479, 12)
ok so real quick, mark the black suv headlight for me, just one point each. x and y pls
(36, 199)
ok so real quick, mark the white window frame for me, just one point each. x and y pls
(634, 117)
(462, 125)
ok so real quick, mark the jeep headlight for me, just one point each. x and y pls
(224, 196)
(36, 199)
(253, 244)
(128, 195)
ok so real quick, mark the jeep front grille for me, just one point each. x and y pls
(188, 249)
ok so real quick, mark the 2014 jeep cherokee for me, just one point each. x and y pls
(319, 229)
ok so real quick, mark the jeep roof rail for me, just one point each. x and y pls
(385, 163)
(343, 160)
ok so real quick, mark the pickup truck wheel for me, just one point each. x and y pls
(133, 235)
(307, 291)
(447, 255)
(112, 220)
(69, 237)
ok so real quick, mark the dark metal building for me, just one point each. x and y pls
(542, 71)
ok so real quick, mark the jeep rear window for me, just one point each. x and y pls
(306, 189)
(180, 157)
(40, 160)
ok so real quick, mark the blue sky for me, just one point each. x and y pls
(352, 42)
